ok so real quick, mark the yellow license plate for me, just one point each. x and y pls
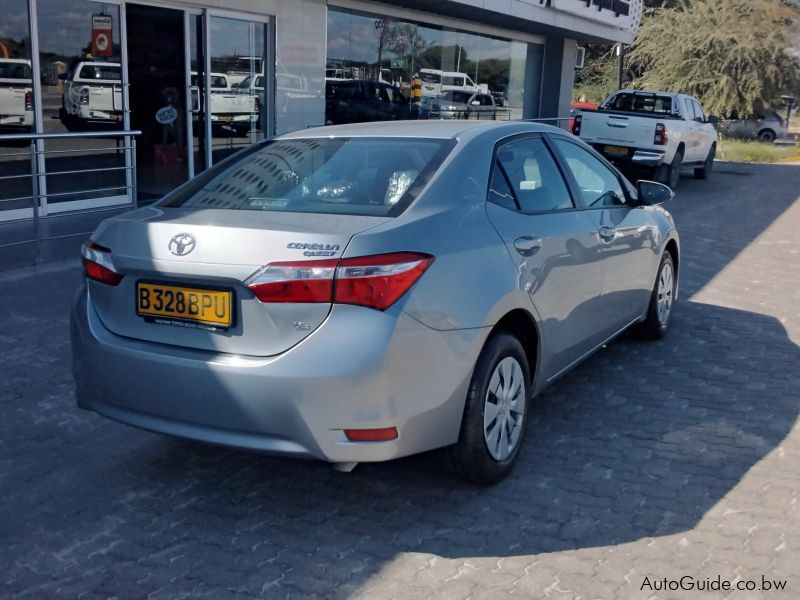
(225, 117)
(210, 307)
(616, 150)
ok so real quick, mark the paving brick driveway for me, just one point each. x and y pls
(650, 460)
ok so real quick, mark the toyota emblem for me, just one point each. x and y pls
(182, 244)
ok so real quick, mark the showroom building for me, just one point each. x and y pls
(131, 99)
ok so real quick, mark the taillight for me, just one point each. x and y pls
(28, 100)
(378, 281)
(661, 138)
(308, 281)
(97, 264)
(84, 96)
(576, 125)
(373, 281)
(258, 104)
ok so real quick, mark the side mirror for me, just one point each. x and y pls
(712, 119)
(651, 193)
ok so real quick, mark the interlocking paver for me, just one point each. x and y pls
(649, 460)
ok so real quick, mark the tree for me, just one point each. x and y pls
(731, 54)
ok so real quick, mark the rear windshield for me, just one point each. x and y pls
(355, 176)
(100, 72)
(14, 71)
(637, 102)
(462, 97)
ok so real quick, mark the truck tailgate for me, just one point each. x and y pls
(616, 129)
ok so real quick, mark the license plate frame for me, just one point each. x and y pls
(152, 313)
(616, 150)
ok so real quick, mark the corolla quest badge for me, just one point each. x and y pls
(182, 244)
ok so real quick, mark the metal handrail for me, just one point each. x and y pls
(38, 173)
(70, 135)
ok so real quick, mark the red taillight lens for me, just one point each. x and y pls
(28, 100)
(378, 281)
(661, 138)
(84, 96)
(576, 125)
(97, 264)
(374, 281)
(308, 281)
(258, 104)
(371, 435)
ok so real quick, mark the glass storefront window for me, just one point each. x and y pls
(437, 72)
(16, 116)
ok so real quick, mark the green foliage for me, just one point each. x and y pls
(598, 78)
(731, 54)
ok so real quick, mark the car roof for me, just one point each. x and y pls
(431, 129)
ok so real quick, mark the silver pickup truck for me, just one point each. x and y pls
(662, 132)
(16, 95)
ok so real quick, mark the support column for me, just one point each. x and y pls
(558, 79)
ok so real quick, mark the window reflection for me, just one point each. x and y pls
(237, 67)
(438, 73)
(16, 116)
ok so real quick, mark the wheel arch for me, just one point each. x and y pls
(672, 248)
(521, 324)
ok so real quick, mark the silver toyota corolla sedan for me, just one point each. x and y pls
(365, 292)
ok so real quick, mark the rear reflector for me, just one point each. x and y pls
(97, 264)
(371, 435)
(374, 281)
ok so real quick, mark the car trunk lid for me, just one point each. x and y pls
(151, 247)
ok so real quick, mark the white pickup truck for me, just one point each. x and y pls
(230, 108)
(662, 132)
(16, 95)
(92, 95)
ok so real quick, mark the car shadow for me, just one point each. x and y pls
(640, 441)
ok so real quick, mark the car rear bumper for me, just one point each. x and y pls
(362, 369)
(634, 157)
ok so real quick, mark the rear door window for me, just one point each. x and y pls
(527, 177)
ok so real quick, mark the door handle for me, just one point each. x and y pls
(527, 244)
(607, 233)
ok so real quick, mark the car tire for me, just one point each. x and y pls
(471, 459)
(767, 136)
(662, 300)
(704, 171)
(671, 174)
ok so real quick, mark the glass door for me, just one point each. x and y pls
(235, 84)
(157, 97)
